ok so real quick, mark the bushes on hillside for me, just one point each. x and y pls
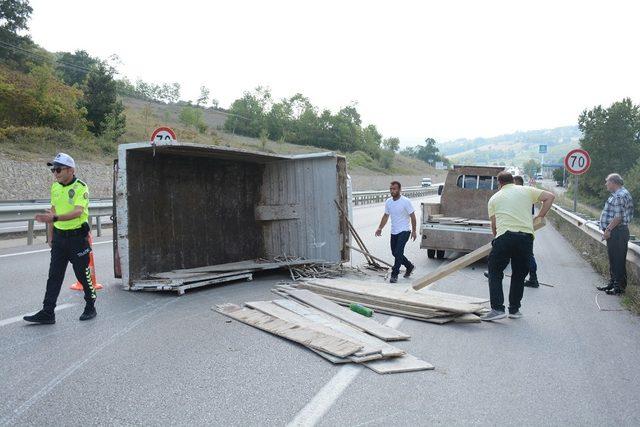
(39, 98)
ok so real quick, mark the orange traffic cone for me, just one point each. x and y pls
(78, 286)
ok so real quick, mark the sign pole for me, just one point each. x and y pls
(575, 195)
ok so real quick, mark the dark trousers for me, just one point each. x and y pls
(617, 251)
(65, 249)
(516, 248)
(398, 242)
(533, 267)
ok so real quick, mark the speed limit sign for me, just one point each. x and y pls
(577, 161)
(163, 134)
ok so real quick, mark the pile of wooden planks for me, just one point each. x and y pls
(181, 280)
(429, 306)
(333, 332)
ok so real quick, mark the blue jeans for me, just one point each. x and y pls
(398, 242)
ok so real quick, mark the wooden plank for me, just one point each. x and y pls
(459, 263)
(250, 265)
(406, 363)
(272, 309)
(395, 312)
(375, 304)
(366, 324)
(385, 350)
(278, 212)
(369, 255)
(456, 297)
(307, 337)
(467, 318)
(393, 294)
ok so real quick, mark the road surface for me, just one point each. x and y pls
(158, 359)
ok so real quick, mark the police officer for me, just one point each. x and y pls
(68, 238)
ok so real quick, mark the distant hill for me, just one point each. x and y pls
(514, 148)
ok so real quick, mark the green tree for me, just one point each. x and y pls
(100, 98)
(203, 99)
(115, 123)
(612, 138)
(14, 19)
(531, 167)
(248, 114)
(392, 144)
(73, 68)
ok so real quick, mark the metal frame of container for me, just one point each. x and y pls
(184, 205)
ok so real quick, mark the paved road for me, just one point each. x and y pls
(157, 359)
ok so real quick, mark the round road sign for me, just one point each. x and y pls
(577, 161)
(163, 134)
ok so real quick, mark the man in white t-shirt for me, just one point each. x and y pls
(400, 209)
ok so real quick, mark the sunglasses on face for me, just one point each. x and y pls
(57, 170)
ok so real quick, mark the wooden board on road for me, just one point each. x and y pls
(366, 324)
(308, 337)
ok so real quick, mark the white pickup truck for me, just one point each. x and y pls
(459, 222)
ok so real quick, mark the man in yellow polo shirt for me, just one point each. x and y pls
(512, 227)
(68, 232)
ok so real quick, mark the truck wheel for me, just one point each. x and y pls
(431, 253)
(440, 254)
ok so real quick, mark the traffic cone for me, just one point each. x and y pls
(78, 286)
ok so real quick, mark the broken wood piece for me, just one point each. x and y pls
(307, 337)
(406, 363)
(369, 255)
(459, 263)
(366, 324)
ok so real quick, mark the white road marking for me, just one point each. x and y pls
(10, 418)
(47, 250)
(327, 396)
(331, 391)
(19, 318)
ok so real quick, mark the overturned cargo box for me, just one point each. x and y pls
(188, 208)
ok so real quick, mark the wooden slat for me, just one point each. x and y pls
(250, 265)
(272, 309)
(459, 263)
(277, 212)
(392, 294)
(407, 363)
(386, 350)
(366, 324)
(456, 297)
(307, 337)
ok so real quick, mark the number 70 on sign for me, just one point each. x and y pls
(577, 161)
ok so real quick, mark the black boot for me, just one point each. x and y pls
(533, 281)
(42, 317)
(89, 312)
(616, 290)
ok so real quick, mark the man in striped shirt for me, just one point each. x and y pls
(614, 222)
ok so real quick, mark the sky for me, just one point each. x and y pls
(442, 69)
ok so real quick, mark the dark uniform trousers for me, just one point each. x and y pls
(617, 246)
(516, 247)
(69, 246)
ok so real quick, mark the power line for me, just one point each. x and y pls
(37, 55)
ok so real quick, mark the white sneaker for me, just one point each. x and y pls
(493, 315)
(515, 315)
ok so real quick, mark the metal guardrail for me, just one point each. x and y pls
(592, 229)
(26, 210)
(366, 197)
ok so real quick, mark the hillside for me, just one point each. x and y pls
(513, 149)
(24, 152)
